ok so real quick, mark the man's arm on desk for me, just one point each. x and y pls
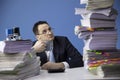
(52, 65)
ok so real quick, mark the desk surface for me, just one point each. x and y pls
(69, 74)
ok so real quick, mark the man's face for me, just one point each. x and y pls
(45, 33)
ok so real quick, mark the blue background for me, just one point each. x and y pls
(60, 14)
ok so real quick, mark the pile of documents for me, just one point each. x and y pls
(17, 60)
(15, 46)
(98, 30)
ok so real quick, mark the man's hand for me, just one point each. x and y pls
(51, 65)
(39, 46)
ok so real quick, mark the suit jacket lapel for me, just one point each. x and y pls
(55, 50)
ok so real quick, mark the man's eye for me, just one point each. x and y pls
(44, 31)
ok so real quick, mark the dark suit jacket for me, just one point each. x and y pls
(63, 50)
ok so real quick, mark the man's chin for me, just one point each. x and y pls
(51, 38)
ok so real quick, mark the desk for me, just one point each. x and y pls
(69, 74)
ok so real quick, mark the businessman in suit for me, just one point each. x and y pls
(55, 52)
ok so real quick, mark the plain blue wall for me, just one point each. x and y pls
(59, 14)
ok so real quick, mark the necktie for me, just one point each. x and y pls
(49, 52)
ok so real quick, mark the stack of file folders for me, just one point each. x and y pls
(99, 32)
(17, 60)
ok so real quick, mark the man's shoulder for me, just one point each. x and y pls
(60, 40)
(60, 37)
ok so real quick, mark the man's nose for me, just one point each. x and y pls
(49, 32)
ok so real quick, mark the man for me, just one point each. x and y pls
(56, 52)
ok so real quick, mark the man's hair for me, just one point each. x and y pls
(35, 27)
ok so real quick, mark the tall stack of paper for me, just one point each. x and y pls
(17, 60)
(97, 4)
(98, 30)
